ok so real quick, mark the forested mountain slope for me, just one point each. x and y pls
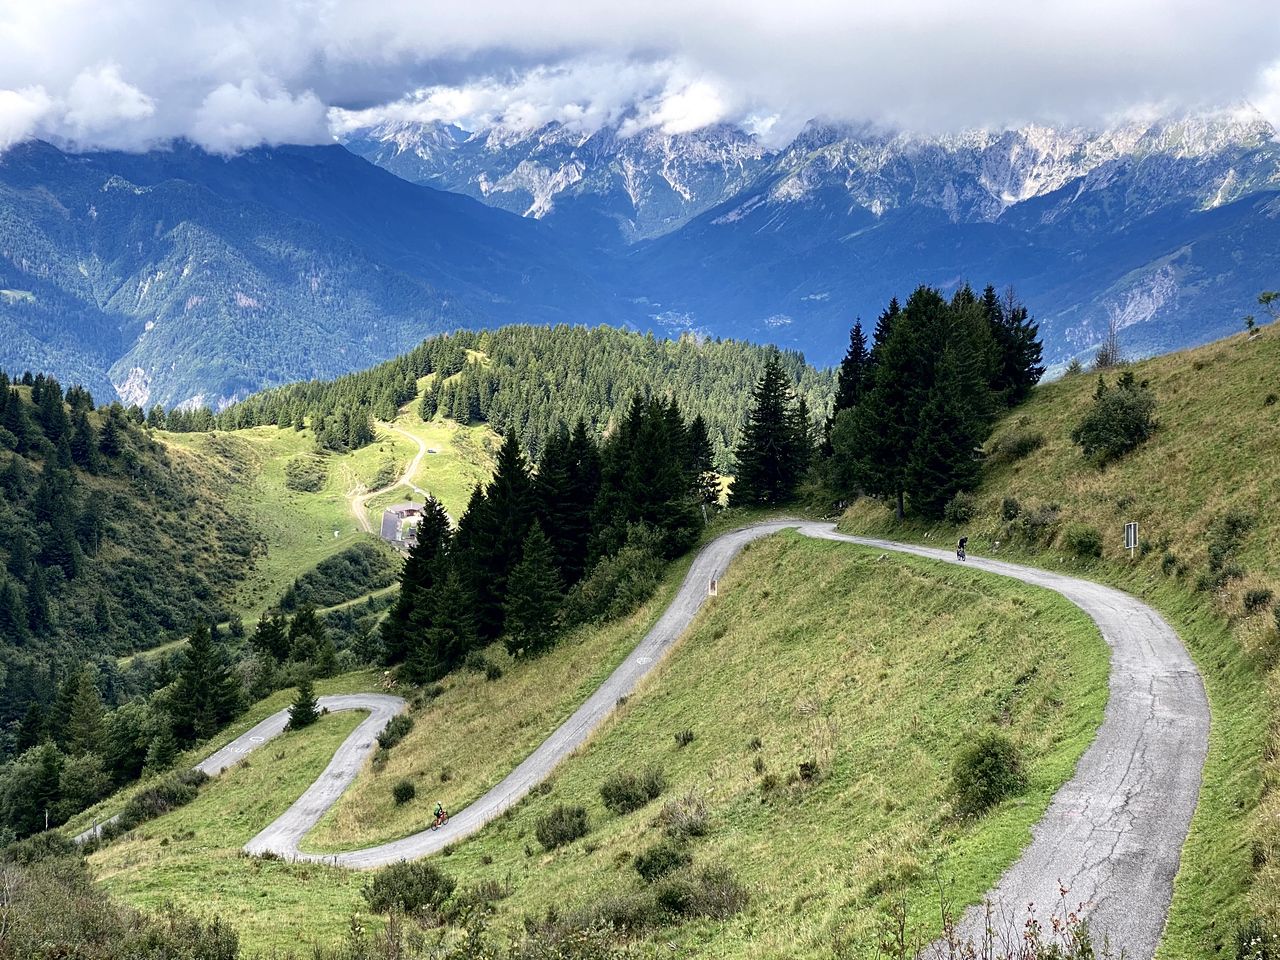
(176, 275)
(111, 541)
(532, 380)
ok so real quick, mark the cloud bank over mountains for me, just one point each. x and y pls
(232, 74)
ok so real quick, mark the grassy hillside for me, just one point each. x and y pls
(1215, 455)
(302, 528)
(876, 671)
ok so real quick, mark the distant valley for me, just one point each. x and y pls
(187, 279)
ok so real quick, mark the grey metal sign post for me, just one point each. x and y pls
(1131, 537)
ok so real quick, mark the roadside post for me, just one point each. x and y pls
(1131, 537)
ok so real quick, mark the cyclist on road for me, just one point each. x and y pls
(960, 548)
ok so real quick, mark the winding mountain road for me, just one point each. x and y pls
(360, 501)
(1112, 835)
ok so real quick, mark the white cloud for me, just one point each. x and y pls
(1267, 95)
(235, 72)
(234, 118)
(20, 114)
(102, 109)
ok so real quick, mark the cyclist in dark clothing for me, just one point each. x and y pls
(960, 548)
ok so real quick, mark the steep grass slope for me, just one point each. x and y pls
(1215, 456)
(875, 671)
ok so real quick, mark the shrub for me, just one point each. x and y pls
(359, 569)
(1083, 541)
(755, 743)
(1270, 400)
(1169, 564)
(564, 824)
(409, 887)
(1009, 509)
(661, 859)
(986, 772)
(1257, 940)
(684, 817)
(1256, 598)
(619, 583)
(306, 473)
(395, 730)
(960, 509)
(711, 892)
(173, 791)
(1015, 445)
(403, 791)
(1038, 523)
(684, 738)
(625, 792)
(1120, 419)
(476, 660)
(492, 671)
(1226, 535)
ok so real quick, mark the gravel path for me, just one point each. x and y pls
(1112, 835)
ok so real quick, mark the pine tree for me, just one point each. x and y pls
(701, 464)
(84, 733)
(426, 563)
(162, 751)
(853, 375)
(533, 596)
(13, 614)
(306, 709)
(32, 730)
(309, 641)
(1017, 338)
(766, 451)
(874, 444)
(271, 637)
(443, 631)
(206, 694)
(109, 443)
(504, 516)
(83, 442)
(942, 460)
(884, 327)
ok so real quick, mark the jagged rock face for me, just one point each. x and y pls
(644, 185)
(1163, 224)
(652, 183)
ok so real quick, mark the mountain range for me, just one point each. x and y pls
(181, 277)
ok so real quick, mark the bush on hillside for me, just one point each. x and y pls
(684, 817)
(1037, 523)
(409, 887)
(1009, 509)
(306, 473)
(1257, 940)
(986, 772)
(1083, 541)
(624, 792)
(619, 583)
(564, 824)
(397, 729)
(960, 509)
(1014, 446)
(1255, 598)
(662, 858)
(403, 792)
(1120, 419)
(359, 569)
(170, 793)
(53, 910)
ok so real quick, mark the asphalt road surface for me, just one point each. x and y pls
(1112, 836)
